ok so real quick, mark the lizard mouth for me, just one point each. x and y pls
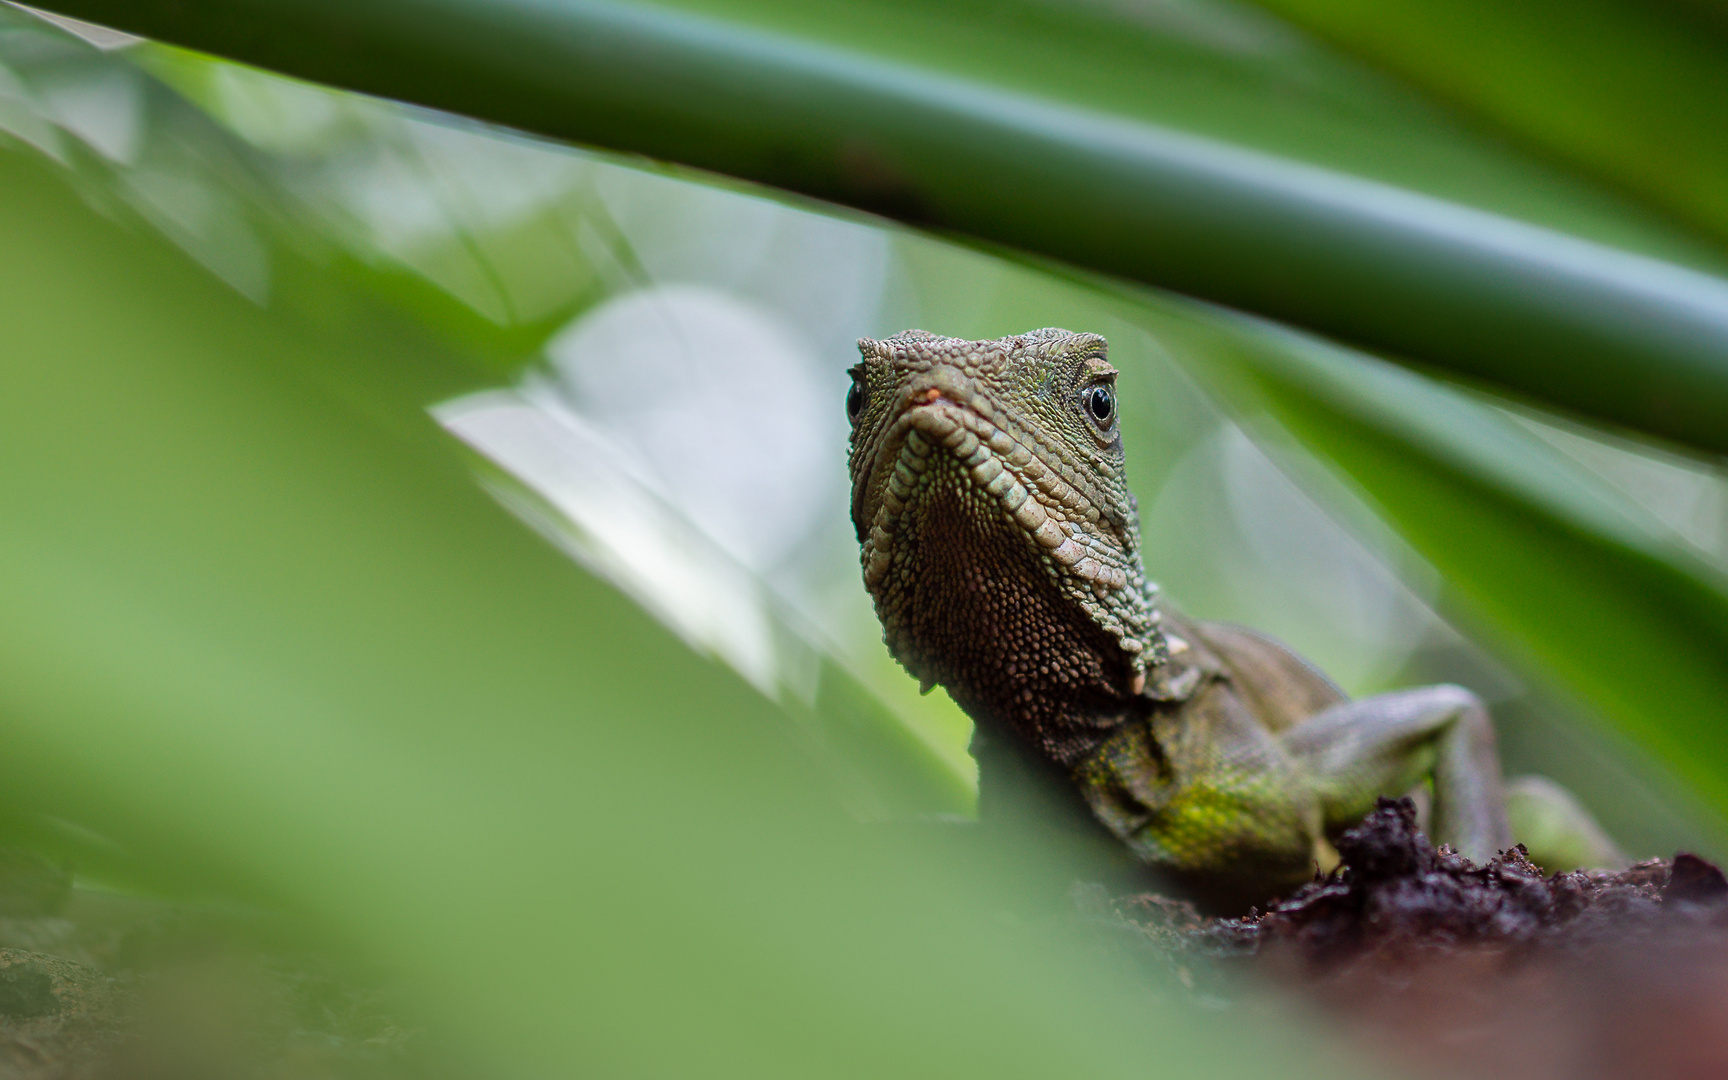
(939, 414)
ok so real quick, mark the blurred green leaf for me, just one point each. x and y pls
(1634, 92)
(257, 221)
(898, 120)
(283, 646)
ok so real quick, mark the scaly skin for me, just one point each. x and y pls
(1001, 546)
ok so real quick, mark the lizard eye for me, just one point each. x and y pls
(856, 398)
(1101, 403)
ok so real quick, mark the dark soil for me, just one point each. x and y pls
(1484, 970)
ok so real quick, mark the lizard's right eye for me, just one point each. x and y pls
(856, 399)
(1101, 403)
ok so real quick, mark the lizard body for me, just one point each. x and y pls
(1001, 546)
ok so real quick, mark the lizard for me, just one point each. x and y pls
(1000, 545)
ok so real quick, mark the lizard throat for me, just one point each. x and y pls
(995, 577)
(969, 602)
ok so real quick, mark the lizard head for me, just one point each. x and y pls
(988, 484)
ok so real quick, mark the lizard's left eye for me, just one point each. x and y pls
(856, 398)
(1101, 403)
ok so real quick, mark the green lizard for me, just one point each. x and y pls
(1002, 549)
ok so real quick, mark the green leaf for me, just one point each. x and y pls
(1633, 92)
(899, 121)
(281, 645)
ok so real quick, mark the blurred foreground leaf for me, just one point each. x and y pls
(902, 124)
(1635, 92)
(261, 223)
(281, 646)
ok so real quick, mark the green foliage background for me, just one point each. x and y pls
(264, 637)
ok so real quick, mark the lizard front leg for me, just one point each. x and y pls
(1385, 745)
